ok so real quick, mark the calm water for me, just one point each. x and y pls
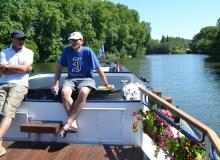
(193, 81)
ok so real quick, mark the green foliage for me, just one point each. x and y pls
(218, 22)
(49, 23)
(169, 45)
(2, 46)
(33, 46)
(207, 41)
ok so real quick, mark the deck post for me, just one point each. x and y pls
(168, 99)
(208, 148)
(157, 92)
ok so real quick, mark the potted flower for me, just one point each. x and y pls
(175, 147)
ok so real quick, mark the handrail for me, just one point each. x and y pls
(172, 123)
(206, 130)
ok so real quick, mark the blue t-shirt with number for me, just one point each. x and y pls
(79, 64)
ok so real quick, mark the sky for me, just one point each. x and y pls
(175, 18)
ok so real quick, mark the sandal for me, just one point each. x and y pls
(2, 151)
(62, 133)
(72, 130)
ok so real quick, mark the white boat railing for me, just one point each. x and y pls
(212, 137)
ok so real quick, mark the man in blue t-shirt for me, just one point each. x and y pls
(80, 62)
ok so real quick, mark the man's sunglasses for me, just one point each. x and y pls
(20, 39)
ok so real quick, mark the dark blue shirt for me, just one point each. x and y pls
(79, 64)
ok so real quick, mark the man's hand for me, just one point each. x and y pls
(3, 64)
(110, 87)
(3, 67)
(55, 89)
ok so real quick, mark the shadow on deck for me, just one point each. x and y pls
(21, 150)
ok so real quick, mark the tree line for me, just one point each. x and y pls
(48, 25)
(207, 41)
(169, 45)
(117, 28)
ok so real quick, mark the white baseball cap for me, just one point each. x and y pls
(76, 36)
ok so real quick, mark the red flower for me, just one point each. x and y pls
(191, 158)
(192, 143)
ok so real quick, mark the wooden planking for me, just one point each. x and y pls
(41, 127)
(21, 150)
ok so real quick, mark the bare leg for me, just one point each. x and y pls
(79, 104)
(4, 126)
(67, 99)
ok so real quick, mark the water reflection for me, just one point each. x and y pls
(138, 65)
(213, 63)
(212, 59)
(191, 80)
(44, 67)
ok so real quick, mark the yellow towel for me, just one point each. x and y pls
(104, 88)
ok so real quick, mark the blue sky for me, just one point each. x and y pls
(176, 18)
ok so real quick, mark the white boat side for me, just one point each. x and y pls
(101, 121)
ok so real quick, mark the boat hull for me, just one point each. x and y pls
(106, 118)
(99, 122)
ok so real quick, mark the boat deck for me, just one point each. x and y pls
(20, 150)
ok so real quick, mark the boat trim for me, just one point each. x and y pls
(88, 101)
(116, 109)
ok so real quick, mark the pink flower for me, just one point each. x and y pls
(168, 133)
(161, 144)
(163, 111)
(167, 113)
(134, 114)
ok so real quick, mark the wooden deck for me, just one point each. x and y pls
(21, 150)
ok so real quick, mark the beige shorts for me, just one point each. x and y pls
(11, 96)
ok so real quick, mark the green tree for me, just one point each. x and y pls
(218, 22)
(206, 41)
(18, 15)
(48, 25)
(49, 22)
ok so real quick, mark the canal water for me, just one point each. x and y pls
(193, 82)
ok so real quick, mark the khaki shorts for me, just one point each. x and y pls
(77, 83)
(11, 96)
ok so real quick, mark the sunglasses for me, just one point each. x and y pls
(20, 39)
(74, 40)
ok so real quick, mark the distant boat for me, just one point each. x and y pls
(110, 66)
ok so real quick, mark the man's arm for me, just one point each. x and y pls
(104, 79)
(12, 68)
(102, 75)
(58, 72)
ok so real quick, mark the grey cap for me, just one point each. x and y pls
(18, 34)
